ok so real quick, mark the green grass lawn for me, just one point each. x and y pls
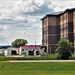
(44, 68)
(43, 57)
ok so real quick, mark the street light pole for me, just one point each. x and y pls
(35, 45)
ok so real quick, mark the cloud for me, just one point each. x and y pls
(21, 32)
(2, 38)
(58, 5)
(21, 18)
(40, 9)
(4, 27)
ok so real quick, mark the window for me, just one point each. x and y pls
(37, 52)
(22, 49)
(31, 53)
(34, 49)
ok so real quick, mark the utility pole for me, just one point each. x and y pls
(35, 49)
(35, 44)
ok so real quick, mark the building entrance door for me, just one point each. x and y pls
(37, 52)
(31, 52)
(13, 52)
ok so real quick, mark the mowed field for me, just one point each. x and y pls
(38, 68)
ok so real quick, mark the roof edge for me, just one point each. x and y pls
(60, 13)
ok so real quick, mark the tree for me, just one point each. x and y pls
(19, 42)
(64, 49)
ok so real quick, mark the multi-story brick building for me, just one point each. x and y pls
(56, 26)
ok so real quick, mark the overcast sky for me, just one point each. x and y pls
(21, 18)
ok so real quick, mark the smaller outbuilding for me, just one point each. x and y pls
(31, 50)
(11, 51)
(3, 48)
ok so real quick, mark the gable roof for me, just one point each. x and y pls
(30, 47)
(17, 48)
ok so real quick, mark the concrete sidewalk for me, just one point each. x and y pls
(42, 61)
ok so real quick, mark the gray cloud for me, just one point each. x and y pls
(6, 21)
(14, 23)
(2, 38)
(22, 25)
(42, 10)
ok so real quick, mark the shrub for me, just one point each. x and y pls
(64, 49)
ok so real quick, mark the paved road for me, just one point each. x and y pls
(42, 61)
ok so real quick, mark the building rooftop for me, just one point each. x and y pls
(7, 46)
(32, 47)
(58, 13)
